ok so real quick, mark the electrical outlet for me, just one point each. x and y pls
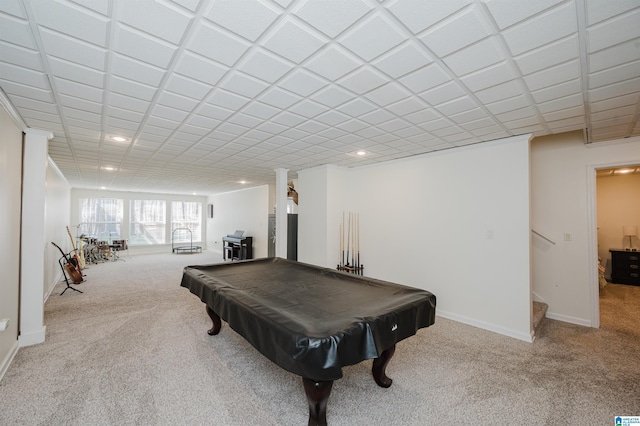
(567, 236)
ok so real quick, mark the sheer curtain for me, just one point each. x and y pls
(101, 218)
(147, 222)
(186, 214)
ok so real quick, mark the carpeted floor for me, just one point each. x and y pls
(133, 350)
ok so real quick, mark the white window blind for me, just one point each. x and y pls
(147, 222)
(186, 215)
(101, 218)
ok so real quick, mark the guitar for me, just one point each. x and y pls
(76, 261)
(71, 271)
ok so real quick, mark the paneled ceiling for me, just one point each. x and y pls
(211, 93)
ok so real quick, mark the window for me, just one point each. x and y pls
(101, 218)
(186, 214)
(147, 224)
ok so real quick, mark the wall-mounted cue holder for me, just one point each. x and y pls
(349, 253)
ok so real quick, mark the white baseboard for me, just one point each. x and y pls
(6, 362)
(571, 320)
(527, 337)
(32, 338)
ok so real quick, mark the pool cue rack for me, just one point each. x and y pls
(350, 244)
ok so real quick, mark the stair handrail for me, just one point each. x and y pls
(540, 234)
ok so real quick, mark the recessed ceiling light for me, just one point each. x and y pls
(194, 193)
(118, 138)
(242, 181)
(103, 187)
(361, 153)
(109, 168)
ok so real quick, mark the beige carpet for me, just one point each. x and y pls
(133, 350)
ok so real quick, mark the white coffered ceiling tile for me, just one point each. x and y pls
(615, 74)
(515, 102)
(288, 119)
(115, 124)
(332, 96)
(312, 126)
(133, 89)
(143, 47)
(42, 116)
(302, 82)
(480, 55)
(614, 31)
(244, 120)
(16, 31)
(31, 78)
(357, 107)
(247, 18)
(554, 75)
(490, 76)
(475, 124)
(244, 85)
(227, 100)
(403, 60)
(422, 116)
(169, 22)
(71, 19)
(442, 93)
(549, 55)
(73, 102)
(73, 49)
(20, 56)
(150, 130)
(611, 103)
(307, 108)
(425, 78)
(264, 66)
(568, 113)
(78, 90)
(598, 10)
(124, 114)
(332, 118)
(393, 125)
(613, 56)
(388, 94)
(547, 27)
(372, 37)
(21, 102)
(456, 106)
(76, 72)
(199, 68)
(407, 106)
(557, 91)
(260, 110)
(215, 44)
(418, 15)
(332, 63)
(332, 16)
(128, 102)
(508, 12)
(136, 71)
(363, 80)
(376, 117)
(559, 104)
(168, 113)
(499, 92)
(279, 98)
(455, 32)
(292, 41)
(516, 114)
(613, 90)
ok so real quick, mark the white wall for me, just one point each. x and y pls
(425, 222)
(10, 180)
(57, 213)
(248, 210)
(563, 202)
(77, 194)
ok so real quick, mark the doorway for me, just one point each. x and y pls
(617, 210)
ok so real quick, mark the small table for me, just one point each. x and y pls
(625, 267)
(311, 321)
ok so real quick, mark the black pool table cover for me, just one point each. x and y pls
(309, 320)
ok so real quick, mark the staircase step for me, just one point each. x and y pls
(539, 311)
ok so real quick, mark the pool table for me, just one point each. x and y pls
(309, 320)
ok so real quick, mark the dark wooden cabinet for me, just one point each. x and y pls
(625, 267)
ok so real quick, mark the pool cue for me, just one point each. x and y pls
(353, 234)
(348, 233)
(358, 232)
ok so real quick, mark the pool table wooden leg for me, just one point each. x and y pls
(380, 365)
(217, 323)
(317, 396)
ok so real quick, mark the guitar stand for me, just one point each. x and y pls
(66, 279)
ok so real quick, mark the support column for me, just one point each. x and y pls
(281, 212)
(33, 244)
